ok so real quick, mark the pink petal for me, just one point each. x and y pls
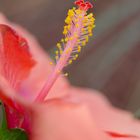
(40, 72)
(108, 117)
(60, 119)
(125, 138)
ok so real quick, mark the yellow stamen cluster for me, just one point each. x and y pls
(76, 19)
(68, 21)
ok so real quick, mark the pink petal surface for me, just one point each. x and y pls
(108, 117)
(64, 120)
(40, 72)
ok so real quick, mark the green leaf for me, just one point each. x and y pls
(4, 121)
(10, 134)
(13, 134)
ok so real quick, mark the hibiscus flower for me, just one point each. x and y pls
(58, 111)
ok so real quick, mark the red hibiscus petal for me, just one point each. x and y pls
(16, 63)
(15, 58)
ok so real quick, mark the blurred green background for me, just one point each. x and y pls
(111, 61)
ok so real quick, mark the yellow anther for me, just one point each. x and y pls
(85, 18)
(89, 31)
(76, 56)
(62, 40)
(90, 15)
(83, 43)
(83, 29)
(77, 25)
(65, 32)
(80, 16)
(59, 45)
(78, 11)
(85, 24)
(73, 8)
(79, 48)
(70, 61)
(61, 51)
(68, 20)
(71, 38)
(90, 34)
(92, 20)
(76, 20)
(93, 26)
(66, 39)
(68, 27)
(84, 32)
(51, 63)
(56, 57)
(56, 52)
(89, 27)
(71, 13)
(79, 51)
(65, 27)
(85, 21)
(86, 38)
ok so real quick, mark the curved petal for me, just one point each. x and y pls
(40, 72)
(108, 117)
(15, 59)
(8, 95)
(60, 119)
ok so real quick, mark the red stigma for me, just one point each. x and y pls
(79, 2)
(89, 5)
(83, 5)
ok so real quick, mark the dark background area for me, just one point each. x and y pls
(111, 61)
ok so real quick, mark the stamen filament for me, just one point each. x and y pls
(77, 31)
(60, 63)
